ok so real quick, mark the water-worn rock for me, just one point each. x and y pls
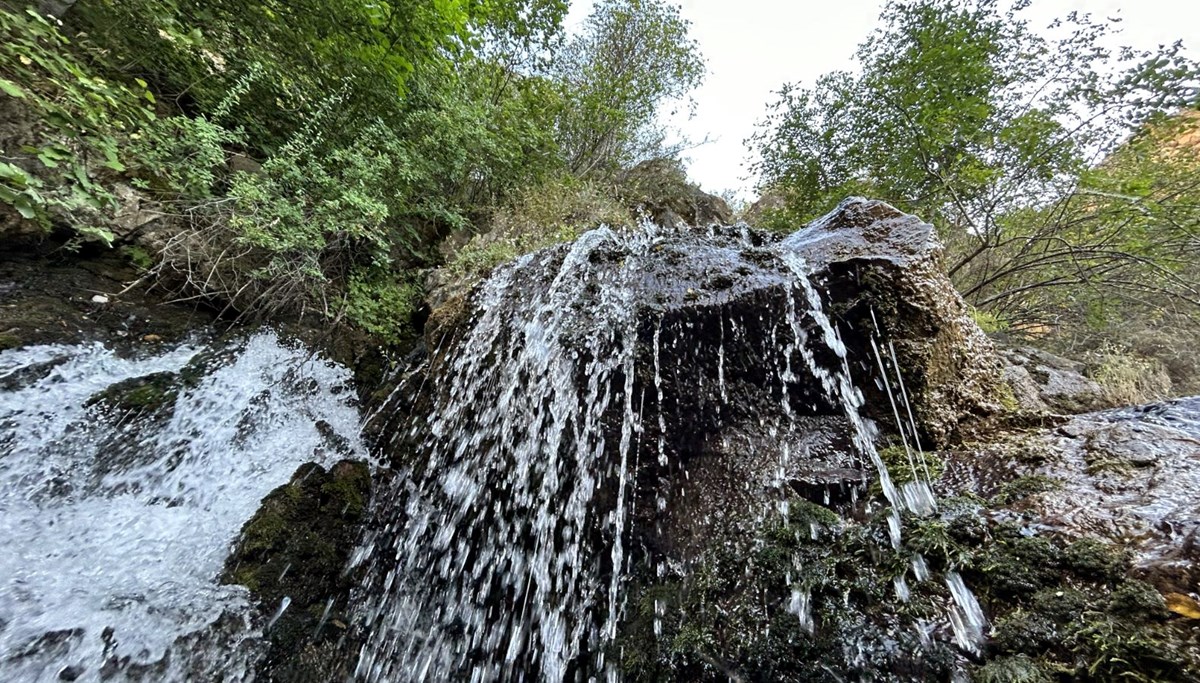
(883, 274)
(1131, 476)
(292, 555)
(659, 190)
(637, 402)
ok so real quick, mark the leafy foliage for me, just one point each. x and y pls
(53, 168)
(632, 58)
(312, 156)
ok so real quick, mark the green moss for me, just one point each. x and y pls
(1058, 610)
(139, 395)
(1096, 560)
(1025, 486)
(1018, 567)
(9, 341)
(1139, 600)
(138, 256)
(901, 461)
(1018, 669)
(1007, 397)
(1024, 631)
(297, 546)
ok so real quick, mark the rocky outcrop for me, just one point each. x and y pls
(659, 190)
(1129, 476)
(883, 275)
(762, 208)
(1041, 381)
(678, 411)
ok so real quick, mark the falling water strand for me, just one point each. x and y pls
(966, 616)
(836, 382)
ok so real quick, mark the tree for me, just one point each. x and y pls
(632, 57)
(993, 132)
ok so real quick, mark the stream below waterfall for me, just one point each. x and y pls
(115, 527)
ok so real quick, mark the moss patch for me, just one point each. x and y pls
(154, 393)
(1058, 609)
(296, 546)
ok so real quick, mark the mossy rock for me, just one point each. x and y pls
(296, 547)
(9, 341)
(1018, 669)
(149, 394)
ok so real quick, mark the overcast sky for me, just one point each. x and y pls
(754, 46)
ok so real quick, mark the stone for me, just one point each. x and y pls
(1043, 381)
(1129, 476)
(659, 189)
(295, 549)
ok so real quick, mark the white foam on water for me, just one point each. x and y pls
(115, 532)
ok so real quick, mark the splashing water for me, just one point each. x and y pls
(502, 522)
(116, 530)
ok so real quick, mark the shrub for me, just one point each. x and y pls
(553, 212)
(81, 122)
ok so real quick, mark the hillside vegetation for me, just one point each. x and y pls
(318, 158)
(302, 158)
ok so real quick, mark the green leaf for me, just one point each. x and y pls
(11, 89)
(14, 174)
(25, 208)
(111, 160)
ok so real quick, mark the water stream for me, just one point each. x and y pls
(116, 528)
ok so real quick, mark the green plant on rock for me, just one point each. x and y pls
(56, 171)
(555, 211)
(382, 307)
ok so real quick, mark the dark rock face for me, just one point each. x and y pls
(883, 274)
(718, 372)
(292, 555)
(755, 546)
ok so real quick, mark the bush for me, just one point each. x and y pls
(55, 171)
(554, 212)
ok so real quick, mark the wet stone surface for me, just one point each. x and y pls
(292, 556)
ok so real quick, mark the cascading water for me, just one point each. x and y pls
(116, 527)
(490, 576)
(503, 552)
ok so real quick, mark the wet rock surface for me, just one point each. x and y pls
(1130, 476)
(690, 384)
(62, 299)
(292, 555)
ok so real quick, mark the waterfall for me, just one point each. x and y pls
(116, 527)
(503, 551)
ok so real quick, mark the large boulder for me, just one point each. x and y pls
(1129, 476)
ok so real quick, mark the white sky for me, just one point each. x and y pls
(754, 46)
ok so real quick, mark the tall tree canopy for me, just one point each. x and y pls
(632, 57)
